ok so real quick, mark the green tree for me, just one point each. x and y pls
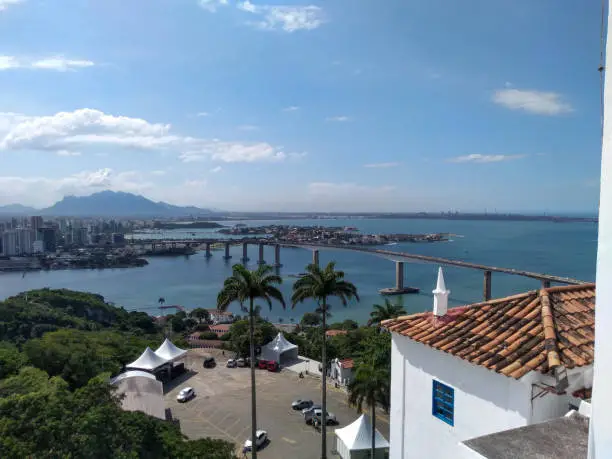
(310, 319)
(239, 335)
(243, 286)
(201, 314)
(385, 312)
(319, 285)
(11, 360)
(370, 387)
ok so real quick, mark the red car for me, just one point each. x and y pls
(273, 366)
(262, 364)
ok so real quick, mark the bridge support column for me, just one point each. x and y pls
(208, 254)
(227, 250)
(261, 260)
(545, 283)
(245, 252)
(277, 261)
(399, 275)
(487, 286)
(399, 288)
(315, 257)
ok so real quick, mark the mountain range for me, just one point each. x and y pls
(107, 204)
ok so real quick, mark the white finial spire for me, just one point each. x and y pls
(440, 295)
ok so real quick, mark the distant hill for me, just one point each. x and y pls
(17, 209)
(118, 204)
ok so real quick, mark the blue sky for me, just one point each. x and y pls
(330, 106)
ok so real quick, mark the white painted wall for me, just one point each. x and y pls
(600, 440)
(485, 402)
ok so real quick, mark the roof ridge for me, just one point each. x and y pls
(550, 333)
(566, 288)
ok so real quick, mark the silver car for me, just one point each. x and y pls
(301, 404)
(308, 411)
(185, 394)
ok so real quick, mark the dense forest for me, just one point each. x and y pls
(57, 350)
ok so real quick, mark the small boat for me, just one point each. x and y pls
(298, 275)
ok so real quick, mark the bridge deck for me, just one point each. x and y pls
(389, 254)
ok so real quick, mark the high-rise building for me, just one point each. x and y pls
(49, 238)
(9, 243)
(25, 239)
(36, 222)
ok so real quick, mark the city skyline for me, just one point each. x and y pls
(248, 106)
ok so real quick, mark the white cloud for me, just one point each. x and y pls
(381, 165)
(4, 4)
(216, 169)
(212, 5)
(158, 172)
(43, 191)
(67, 153)
(289, 18)
(87, 128)
(8, 62)
(203, 114)
(536, 102)
(478, 158)
(338, 119)
(248, 127)
(56, 63)
(291, 108)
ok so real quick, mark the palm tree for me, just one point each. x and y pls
(320, 284)
(245, 285)
(161, 300)
(369, 387)
(388, 311)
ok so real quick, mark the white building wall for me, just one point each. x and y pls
(485, 402)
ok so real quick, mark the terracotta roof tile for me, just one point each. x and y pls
(532, 331)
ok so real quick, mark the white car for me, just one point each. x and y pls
(231, 363)
(261, 436)
(185, 394)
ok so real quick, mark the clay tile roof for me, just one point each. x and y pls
(532, 331)
(346, 363)
(335, 332)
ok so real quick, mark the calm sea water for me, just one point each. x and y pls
(564, 249)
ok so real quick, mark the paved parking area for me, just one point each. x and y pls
(221, 408)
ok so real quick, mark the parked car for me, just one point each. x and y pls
(273, 366)
(316, 413)
(306, 411)
(241, 362)
(301, 404)
(209, 362)
(185, 394)
(261, 436)
(262, 364)
(330, 418)
(231, 363)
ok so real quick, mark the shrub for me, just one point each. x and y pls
(208, 335)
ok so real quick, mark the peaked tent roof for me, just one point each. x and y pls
(532, 331)
(358, 435)
(148, 360)
(280, 344)
(131, 374)
(169, 351)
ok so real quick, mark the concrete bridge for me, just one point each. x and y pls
(398, 257)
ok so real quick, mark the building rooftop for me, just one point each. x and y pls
(532, 331)
(335, 332)
(561, 438)
(346, 363)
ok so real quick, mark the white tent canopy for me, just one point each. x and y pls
(355, 440)
(148, 360)
(279, 347)
(131, 374)
(169, 351)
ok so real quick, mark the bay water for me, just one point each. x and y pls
(563, 249)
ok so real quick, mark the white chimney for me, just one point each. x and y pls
(440, 296)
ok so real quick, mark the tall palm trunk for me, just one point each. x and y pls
(372, 454)
(253, 391)
(324, 384)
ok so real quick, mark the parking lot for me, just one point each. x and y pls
(221, 408)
